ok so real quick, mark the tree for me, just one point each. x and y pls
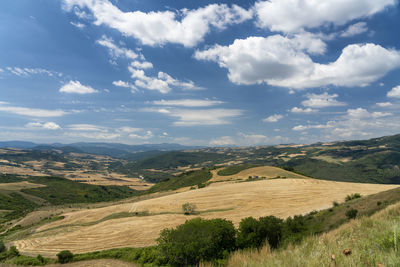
(197, 240)
(188, 208)
(255, 233)
(65, 256)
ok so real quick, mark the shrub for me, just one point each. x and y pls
(351, 214)
(378, 203)
(255, 233)
(197, 240)
(13, 252)
(335, 203)
(352, 196)
(188, 208)
(65, 256)
(2, 247)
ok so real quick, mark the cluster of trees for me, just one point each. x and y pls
(210, 240)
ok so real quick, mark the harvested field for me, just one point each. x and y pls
(19, 186)
(90, 230)
(264, 171)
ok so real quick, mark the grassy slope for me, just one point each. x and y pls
(231, 170)
(371, 240)
(190, 178)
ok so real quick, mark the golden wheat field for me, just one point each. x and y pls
(89, 229)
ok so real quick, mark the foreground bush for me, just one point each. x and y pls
(2, 247)
(255, 233)
(197, 240)
(65, 256)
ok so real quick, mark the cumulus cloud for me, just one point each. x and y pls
(284, 61)
(75, 87)
(295, 15)
(46, 125)
(395, 92)
(302, 110)
(322, 101)
(273, 118)
(141, 65)
(125, 85)
(355, 29)
(114, 50)
(31, 112)
(356, 123)
(161, 83)
(188, 102)
(157, 28)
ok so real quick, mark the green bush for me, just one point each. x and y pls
(188, 208)
(2, 247)
(65, 256)
(197, 240)
(335, 203)
(13, 252)
(352, 196)
(254, 233)
(351, 214)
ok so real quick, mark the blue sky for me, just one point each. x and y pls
(199, 72)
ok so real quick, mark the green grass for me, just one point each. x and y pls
(60, 191)
(186, 179)
(231, 170)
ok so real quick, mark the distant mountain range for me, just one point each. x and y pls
(110, 149)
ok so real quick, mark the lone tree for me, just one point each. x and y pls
(188, 208)
(197, 240)
(65, 256)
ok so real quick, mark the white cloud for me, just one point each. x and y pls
(145, 136)
(322, 101)
(188, 102)
(302, 110)
(142, 65)
(161, 83)
(356, 123)
(222, 141)
(87, 128)
(244, 139)
(116, 51)
(46, 125)
(75, 87)
(31, 112)
(157, 28)
(196, 117)
(295, 15)
(147, 82)
(283, 61)
(354, 29)
(273, 118)
(26, 72)
(78, 25)
(395, 92)
(384, 104)
(125, 85)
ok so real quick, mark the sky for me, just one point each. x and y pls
(212, 73)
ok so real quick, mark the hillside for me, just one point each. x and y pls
(371, 240)
(138, 224)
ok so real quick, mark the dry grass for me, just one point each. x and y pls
(19, 186)
(264, 171)
(234, 201)
(96, 263)
(370, 240)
